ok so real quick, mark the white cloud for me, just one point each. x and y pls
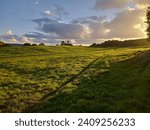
(127, 24)
(9, 36)
(9, 32)
(47, 13)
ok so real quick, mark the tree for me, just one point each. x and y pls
(41, 44)
(27, 44)
(34, 44)
(62, 42)
(148, 23)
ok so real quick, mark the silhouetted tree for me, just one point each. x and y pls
(41, 44)
(27, 44)
(34, 44)
(62, 42)
(148, 23)
(94, 45)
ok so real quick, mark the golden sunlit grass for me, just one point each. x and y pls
(92, 79)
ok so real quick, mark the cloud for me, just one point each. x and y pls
(60, 29)
(89, 19)
(128, 23)
(42, 21)
(141, 2)
(98, 30)
(64, 30)
(60, 11)
(9, 36)
(124, 25)
(47, 13)
(36, 35)
(110, 4)
(57, 11)
(118, 4)
(9, 32)
(36, 2)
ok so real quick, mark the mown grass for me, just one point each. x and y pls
(92, 79)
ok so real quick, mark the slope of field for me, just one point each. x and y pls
(74, 79)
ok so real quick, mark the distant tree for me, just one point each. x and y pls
(1, 43)
(94, 44)
(63, 43)
(34, 44)
(66, 43)
(27, 44)
(7, 45)
(41, 44)
(148, 23)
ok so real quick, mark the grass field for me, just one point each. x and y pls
(74, 79)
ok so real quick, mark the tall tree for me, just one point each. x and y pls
(148, 23)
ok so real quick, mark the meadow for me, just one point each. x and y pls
(74, 79)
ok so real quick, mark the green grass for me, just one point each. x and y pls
(74, 79)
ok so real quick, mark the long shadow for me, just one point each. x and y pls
(68, 81)
(124, 88)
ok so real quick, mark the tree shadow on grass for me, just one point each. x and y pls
(121, 87)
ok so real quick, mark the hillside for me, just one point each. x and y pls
(74, 79)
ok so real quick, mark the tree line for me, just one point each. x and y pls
(148, 23)
(126, 43)
(29, 44)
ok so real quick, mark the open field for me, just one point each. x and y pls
(74, 79)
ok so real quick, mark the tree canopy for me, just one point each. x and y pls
(27, 44)
(41, 44)
(148, 23)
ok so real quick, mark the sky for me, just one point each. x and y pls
(79, 21)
